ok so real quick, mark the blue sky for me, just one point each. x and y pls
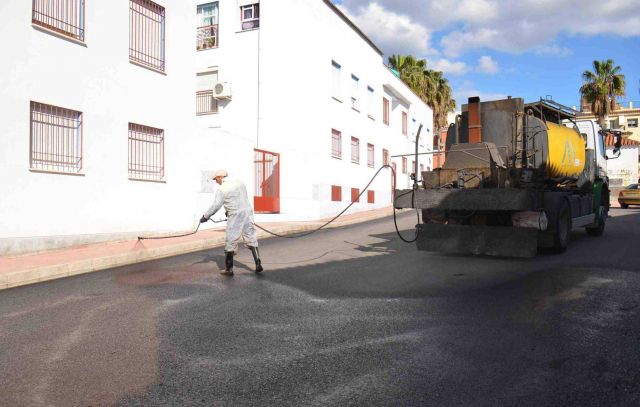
(496, 48)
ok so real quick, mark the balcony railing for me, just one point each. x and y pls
(205, 103)
(207, 37)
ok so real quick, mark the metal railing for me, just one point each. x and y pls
(65, 17)
(146, 152)
(147, 34)
(56, 138)
(205, 103)
(207, 37)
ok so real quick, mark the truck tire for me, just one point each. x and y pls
(599, 229)
(563, 228)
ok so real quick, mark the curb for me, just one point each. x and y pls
(46, 273)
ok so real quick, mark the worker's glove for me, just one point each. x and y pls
(203, 219)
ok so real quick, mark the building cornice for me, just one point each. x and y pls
(353, 26)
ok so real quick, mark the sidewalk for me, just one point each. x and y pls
(32, 268)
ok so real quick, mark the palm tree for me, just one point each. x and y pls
(410, 69)
(429, 85)
(439, 96)
(601, 87)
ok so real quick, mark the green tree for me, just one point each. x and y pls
(431, 86)
(601, 87)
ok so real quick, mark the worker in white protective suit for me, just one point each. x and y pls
(232, 194)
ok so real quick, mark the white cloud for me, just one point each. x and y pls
(393, 32)
(552, 49)
(507, 26)
(486, 64)
(449, 67)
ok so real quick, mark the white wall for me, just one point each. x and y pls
(281, 83)
(294, 48)
(98, 80)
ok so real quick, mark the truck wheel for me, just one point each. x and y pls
(598, 230)
(563, 228)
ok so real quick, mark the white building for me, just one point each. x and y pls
(102, 145)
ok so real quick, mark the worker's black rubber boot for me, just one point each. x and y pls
(228, 264)
(256, 258)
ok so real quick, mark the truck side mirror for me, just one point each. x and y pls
(618, 142)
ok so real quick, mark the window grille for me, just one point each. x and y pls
(250, 16)
(370, 155)
(56, 138)
(385, 111)
(65, 17)
(355, 195)
(336, 144)
(336, 193)
(404, 165)
(147, 34)
(371, 197)
(205, 102)
(207, 31)
(355, 150)
(385, 157)
(146, 152)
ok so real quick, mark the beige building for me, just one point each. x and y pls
(626, 118)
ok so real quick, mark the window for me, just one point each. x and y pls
(354, 92)
(632, 122)
(65, 17)
(355, 195)
(355, 150)
(146, 34)
(250, 16)
(371, 197)
(404, 165)
(335, 80)
(336, 193)
(146, 152)
(370, 99)
(56, 139)
(612, 124)
(385, 157)
(421, 168)
(205, 102)
(385, 111)
(404, 123)
(207, 31)
(370, 155)
(413, 167)
(336, 144)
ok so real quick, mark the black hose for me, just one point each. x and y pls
(180, 235)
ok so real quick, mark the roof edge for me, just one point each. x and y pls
(353, 26)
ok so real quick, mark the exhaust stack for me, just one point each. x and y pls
(475, 125)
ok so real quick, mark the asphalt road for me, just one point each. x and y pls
(344, 317)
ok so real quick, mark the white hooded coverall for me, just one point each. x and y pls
(233, 195)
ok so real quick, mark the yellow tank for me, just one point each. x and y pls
(566, 157)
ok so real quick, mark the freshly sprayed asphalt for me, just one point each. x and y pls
(350, 316)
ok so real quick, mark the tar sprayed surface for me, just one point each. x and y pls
(351, 316)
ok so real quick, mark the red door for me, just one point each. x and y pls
(267, 166)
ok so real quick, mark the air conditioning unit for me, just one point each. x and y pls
(222, 90)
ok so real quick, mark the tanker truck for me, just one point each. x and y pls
(517, 178)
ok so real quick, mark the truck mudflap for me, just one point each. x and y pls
(502, 241)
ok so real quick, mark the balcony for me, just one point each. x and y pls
(205, 103)
(207, 37)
